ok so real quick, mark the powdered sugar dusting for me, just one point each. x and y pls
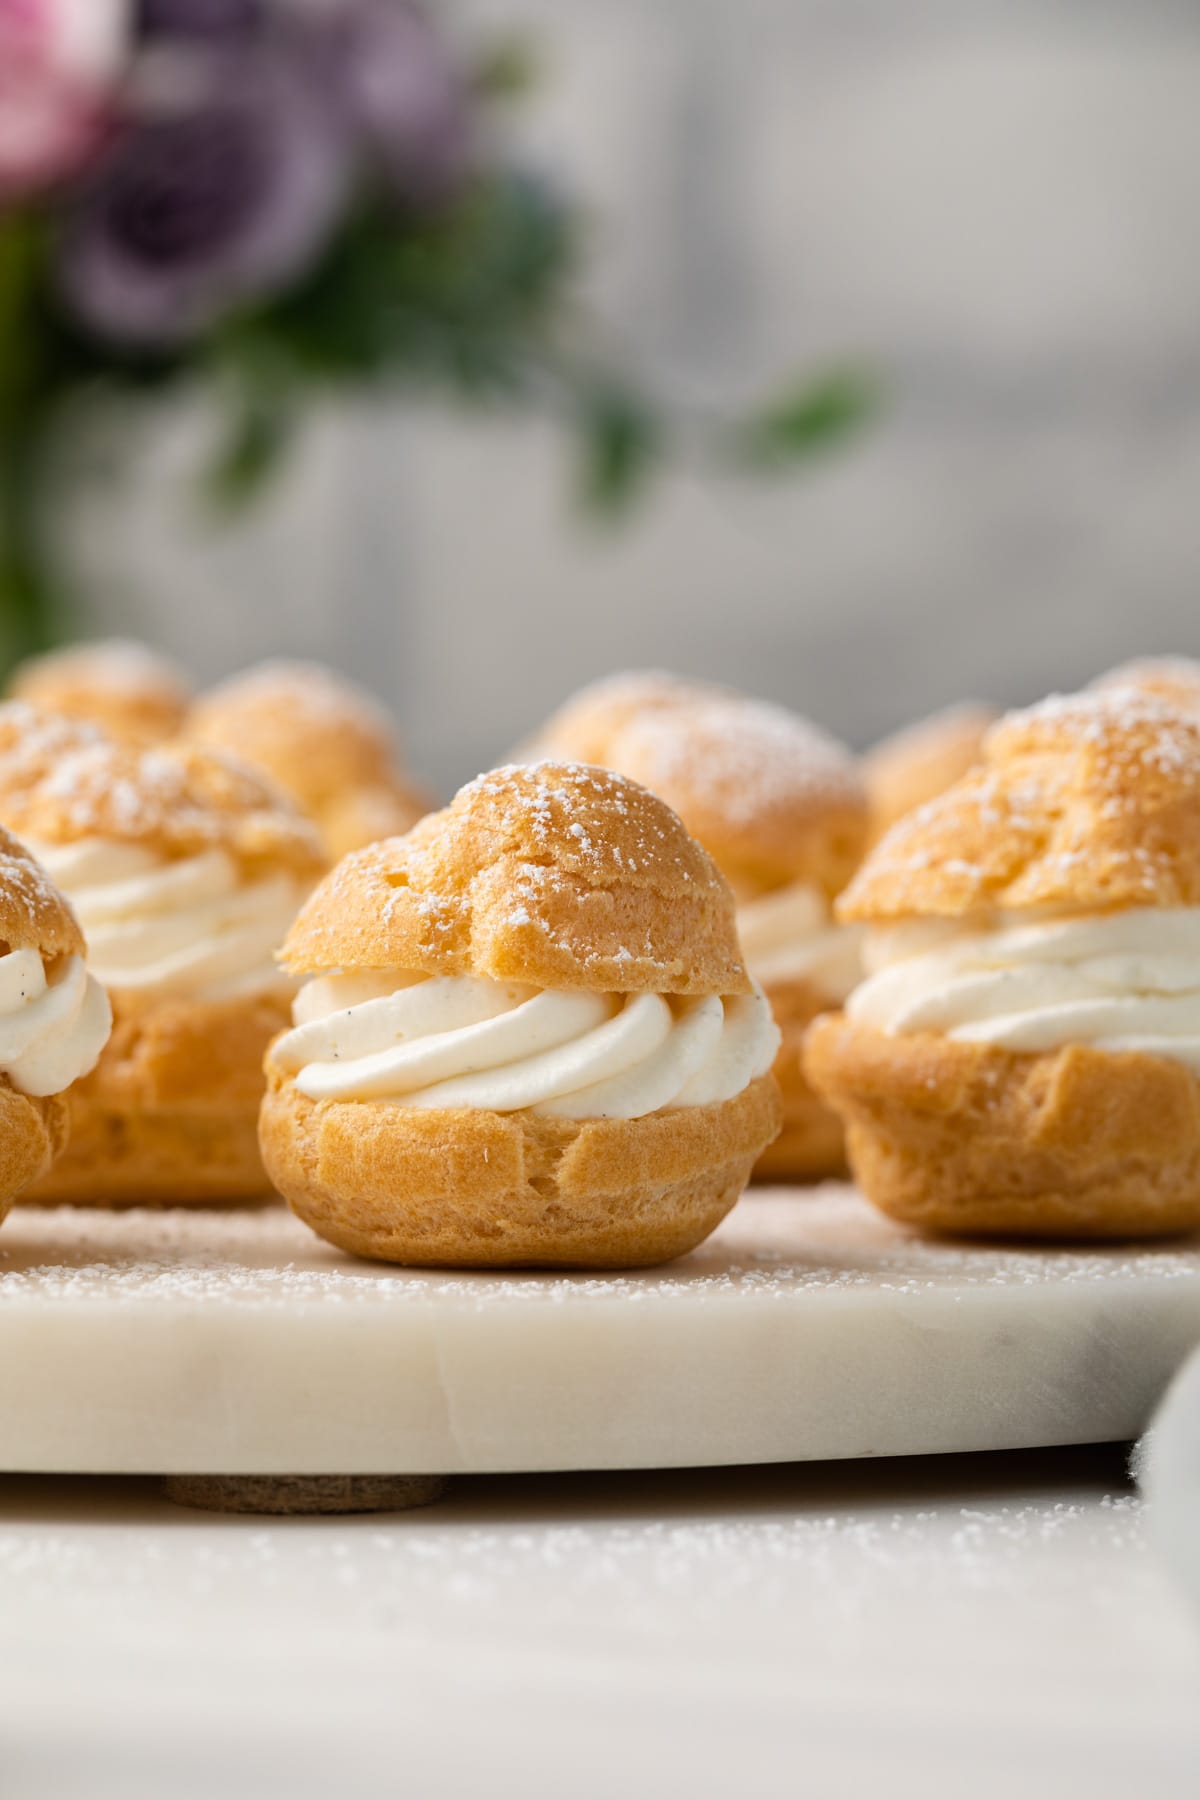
(1126, 725)
(572, 812)
(776, 1246)
(673, 735)
(1062, 811)
(22, 876)
(62, 781)
(323, 700)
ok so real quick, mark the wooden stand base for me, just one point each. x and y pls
(296, 1494)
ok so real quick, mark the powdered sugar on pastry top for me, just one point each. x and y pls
(550, 810)
(61, 781)
(561, 875)
(1083, 801)
(680, 734)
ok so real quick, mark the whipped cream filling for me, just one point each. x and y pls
(1119, 981)
(452, 1041)
(53, 1022)
(193, 927)
(791, 935)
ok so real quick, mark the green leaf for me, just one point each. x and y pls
(507, 69)
(32, 613)
(621, 443)
(259, 434)
(463, 299)
(808, 420)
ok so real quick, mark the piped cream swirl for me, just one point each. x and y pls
(1127, 980)
(460, 1041)
(191, 927)
(53, 1022)
(791, 935)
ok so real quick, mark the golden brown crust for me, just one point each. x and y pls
(919, 763)
(323, 740)
(489, 1190)
(128, 690)
(61, 782)
(1088, 802)
(553, 874)
(769, 795)
(968, 1138)
(33, 1133)
(33, 914)
(168, 1115)
(811, 1145)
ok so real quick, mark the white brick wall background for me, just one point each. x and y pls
(994, 202)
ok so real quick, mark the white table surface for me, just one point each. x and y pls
(958, 1626)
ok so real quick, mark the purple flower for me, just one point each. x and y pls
(211, 201)
(403, 89)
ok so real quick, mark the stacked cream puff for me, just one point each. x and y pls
(525, 1035)
(780, 807)
(1023, 1054)
(326, 742)
(185, 872)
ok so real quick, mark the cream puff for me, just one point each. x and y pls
(1023, 1057)
(324, 740)
(131, 692)
(54, 1019)
(185, 871)
(779, 806)
(526, 1036)
(921, 761)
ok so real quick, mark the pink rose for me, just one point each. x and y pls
(59, 61)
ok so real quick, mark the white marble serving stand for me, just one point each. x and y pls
(237, 1343)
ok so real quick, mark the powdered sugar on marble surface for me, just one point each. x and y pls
(776, 1246)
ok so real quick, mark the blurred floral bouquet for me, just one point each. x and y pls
(280, 197)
